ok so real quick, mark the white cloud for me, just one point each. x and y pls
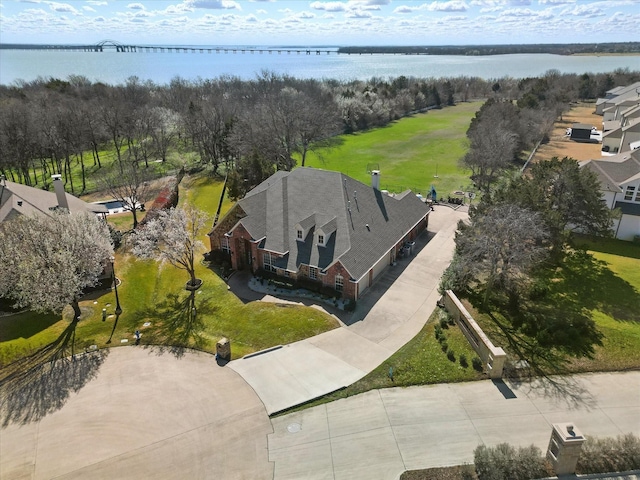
(358, 14)
(261, 12)
(329, 6)
(62, 8)
(135, 6)
(555, 2)
(87, 8)
(96, 3)
(453, 6)
(586, 11)
(213, 4)
(405, 9)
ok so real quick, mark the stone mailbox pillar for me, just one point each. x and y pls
(223, 349)
(564, 448)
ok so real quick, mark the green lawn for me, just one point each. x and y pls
(408, 152)
(153, 293)
(607, 287)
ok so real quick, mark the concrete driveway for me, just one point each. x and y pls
(388, 315)
(139, 415)
(382, 433)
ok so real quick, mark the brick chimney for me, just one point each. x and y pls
(60, 193)
(375, 179)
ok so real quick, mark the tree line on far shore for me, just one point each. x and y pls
(248, 128)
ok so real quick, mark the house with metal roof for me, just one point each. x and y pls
(18, 199)
(320, 226)
(619, 177)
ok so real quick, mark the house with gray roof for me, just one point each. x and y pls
(320, 226)
(619, 177)
(18, 199)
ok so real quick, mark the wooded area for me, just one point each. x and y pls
(248, 129)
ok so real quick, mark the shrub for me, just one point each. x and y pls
(438, 332)
(504, 462)
(463, 361)
(476, 363)
(451, 356)
(605, 455)
(116, 236)
(444, 324)
(444, 346)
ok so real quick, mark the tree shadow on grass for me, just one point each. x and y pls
(178, 323)
(589, 282)
(41, 383)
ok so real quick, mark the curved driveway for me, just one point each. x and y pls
(146, 415)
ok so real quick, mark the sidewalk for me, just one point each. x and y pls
(382, 433)
(392, 312)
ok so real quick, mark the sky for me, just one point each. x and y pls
(319, 23)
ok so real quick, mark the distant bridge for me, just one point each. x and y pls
(121, 47)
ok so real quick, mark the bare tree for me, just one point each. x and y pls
(502, 246)
(130, 186)
(173, 236)
(47, 261)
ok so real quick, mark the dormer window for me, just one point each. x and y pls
(299, 234)
(320, 239)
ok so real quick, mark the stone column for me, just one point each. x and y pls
(564, 448)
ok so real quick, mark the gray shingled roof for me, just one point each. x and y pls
(25, 200)
(616, 170)
(364, 222)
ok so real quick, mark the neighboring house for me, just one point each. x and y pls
(616, 95)
(320, 226)
(18, 199)
(619, 177)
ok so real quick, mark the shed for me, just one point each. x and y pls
(581, 132)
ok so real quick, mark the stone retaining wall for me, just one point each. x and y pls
(492, 357)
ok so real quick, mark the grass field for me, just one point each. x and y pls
(409, 152)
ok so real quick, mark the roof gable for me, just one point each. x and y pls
(360, 224)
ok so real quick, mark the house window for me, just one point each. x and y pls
(267, 262)
(628, 194)
(313, 273)
(225, 245)
(299, 233)
(339, 283)
(321, 239)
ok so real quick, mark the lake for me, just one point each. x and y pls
(113, 67)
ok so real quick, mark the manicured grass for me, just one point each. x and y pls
(203, 192)
(408, 152)
(421, 361)
(153, 293)
(608, 288)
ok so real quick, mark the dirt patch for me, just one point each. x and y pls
(561, 146)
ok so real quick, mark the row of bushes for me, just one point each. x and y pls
(598, 455)
(442, 339)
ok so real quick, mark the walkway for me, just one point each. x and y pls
(380, 434)
(392, 312)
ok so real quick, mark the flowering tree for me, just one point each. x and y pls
(172, 236)
(47, 261)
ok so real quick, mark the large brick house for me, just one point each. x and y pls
(322, 226)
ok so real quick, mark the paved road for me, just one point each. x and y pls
(139, 415)
(380, 434)
(392, 312)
